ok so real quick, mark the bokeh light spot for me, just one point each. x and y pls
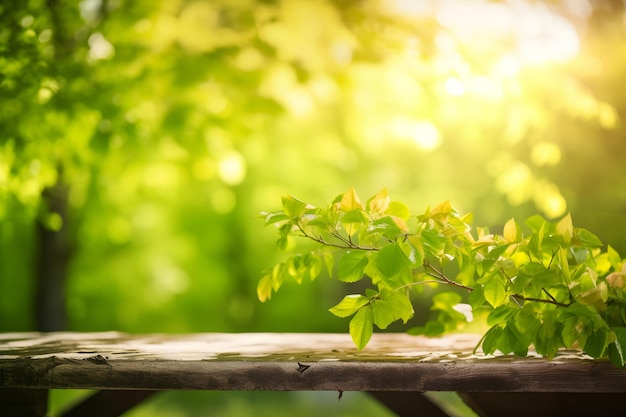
(545, 154)
(455, 87)
(422, 133)
(232, 168)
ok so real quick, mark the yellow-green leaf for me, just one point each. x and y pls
(352, 266)
(292, 206)
(353, 220)
(391, 260)
(362, 327)
(329, 262)
(565, 228)
(510, 231)
(495, 291)
(349, 305)
(264, 288)
(380, 202)
(391, 306)
(398, 209)
(595, 297)
(442, 208)
(350, 201)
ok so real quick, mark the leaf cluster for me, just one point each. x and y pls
(544, 284)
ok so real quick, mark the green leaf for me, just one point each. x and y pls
(314, 264)
(353, 220)
(384, 313)
(433, 242)
(501, 314)
(264, 288)
(349, 305)
(293, 207)
(283, 232)
(362, 327)
(565, 228)
(350, 201)
(391, 260)
(296, 267)
(512, 341)
(477, 298)
(536, 223)
(585, 238)
(570, 332)
(595, 297)
(495, 291)
(597, 343)
(391, 306)
(527, 322)
(329, 262)
(614, 258)
(398, 209)
(274, 217)
(355, 216)
(617, 349)
(510, 232)
(491, 339)
(282, 242)
(380, 202)
(547, 343)
(352, 265)
(278, 275)
(386, 226)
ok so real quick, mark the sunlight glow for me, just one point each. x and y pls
(455, 87)
(538, 32)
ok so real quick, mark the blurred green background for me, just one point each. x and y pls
(139, 140)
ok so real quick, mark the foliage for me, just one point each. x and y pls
(548, 284)
(171, 123)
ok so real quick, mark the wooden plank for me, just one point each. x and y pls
(282, 362)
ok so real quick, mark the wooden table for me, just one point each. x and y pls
(394, 368)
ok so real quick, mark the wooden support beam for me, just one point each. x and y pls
(408, 404)
(109, 403)
(545, 404)
(23, 402)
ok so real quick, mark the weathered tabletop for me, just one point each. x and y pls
(289, 362)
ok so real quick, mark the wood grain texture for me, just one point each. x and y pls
(282, 362)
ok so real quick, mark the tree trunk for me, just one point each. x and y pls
(54, 249)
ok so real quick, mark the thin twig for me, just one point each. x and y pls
(346, 243)
(434, 272)
(443, 279)
(412, 284)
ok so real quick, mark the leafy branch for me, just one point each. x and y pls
(515, 281)
(346, 243)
